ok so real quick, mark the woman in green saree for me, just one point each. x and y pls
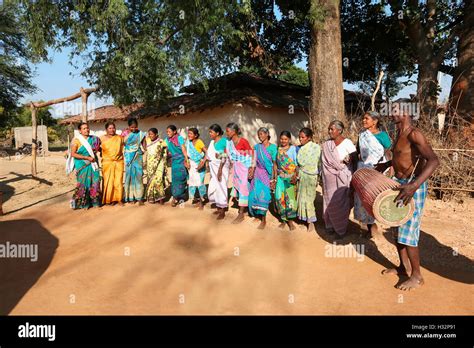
(83, 151)
(308, 159)
(285, 190)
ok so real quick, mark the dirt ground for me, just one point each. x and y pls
(164, 260)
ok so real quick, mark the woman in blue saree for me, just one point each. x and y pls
(372, 146)
(179, 163)
(133, 154)
(83, 153)
(262, 174)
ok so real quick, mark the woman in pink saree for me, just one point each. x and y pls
(338, 158)
(241, 157)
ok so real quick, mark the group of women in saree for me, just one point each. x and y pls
(286, 174)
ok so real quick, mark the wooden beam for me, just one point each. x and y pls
(65, 99)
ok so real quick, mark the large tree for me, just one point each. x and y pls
(373, 42)
(15, 72)
(461, 101)
(325, 65)
(137, 50)
(432, 27)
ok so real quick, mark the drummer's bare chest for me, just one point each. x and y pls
(402, 147)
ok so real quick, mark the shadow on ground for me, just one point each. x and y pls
(18, 275)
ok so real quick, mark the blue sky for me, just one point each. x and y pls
(60, 79)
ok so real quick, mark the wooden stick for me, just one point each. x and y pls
(372, 107)
(457, 150)
(450, 189)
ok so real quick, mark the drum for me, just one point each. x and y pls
(376, 193)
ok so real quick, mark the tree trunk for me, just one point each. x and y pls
(461, 100)
(325, 70)
(34, 140)
(427, 90)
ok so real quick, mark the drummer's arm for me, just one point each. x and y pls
(354, 158)
(382, 167)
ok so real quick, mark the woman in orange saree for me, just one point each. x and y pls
(112, 166)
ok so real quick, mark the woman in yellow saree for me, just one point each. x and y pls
(112, 166)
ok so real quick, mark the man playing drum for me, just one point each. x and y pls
(413, 162)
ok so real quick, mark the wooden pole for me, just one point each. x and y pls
(84, 96)
(34, 139)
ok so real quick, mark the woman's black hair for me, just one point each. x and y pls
(195, 131)
(172, 127)
(153, 130)
(234, 126)
(264, 130)
(132, 121)
(81, 124)
(306, 131)
(216, 128)
(286, 134)
(109, 124)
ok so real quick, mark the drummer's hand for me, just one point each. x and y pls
(406, 192)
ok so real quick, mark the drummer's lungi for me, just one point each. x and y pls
(409, 233)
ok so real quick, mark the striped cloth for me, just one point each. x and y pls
(409, 233)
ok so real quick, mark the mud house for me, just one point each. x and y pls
(249, 100)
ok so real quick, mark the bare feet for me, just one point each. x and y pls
(311, 227)
(262, 225)
(291, 225)
(218, 211)
(221, 215)
(282, 226)
(120, 204)
(239, 219)
(201, 205)
(400, 271)
(412, 283)
(141, 203)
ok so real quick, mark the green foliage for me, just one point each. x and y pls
(295, 75)
(137, 50)
(146, 50)
(375, 38)
(15, 73)
(291, 74)
(21, 117)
